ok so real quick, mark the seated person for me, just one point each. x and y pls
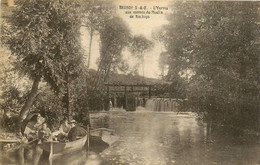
(33, 126)
(65, 127)
(63, 131)
(76, 131)
(44, 133)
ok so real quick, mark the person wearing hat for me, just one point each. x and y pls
(44, 133)
(76, 132)
(72, 123)
(62, 133)
(33, 125)
(65, 127)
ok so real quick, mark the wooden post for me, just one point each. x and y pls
(115, 101)
(88, 131)
(21, 155)
(51, 152)
(149, 92)
(125, 98)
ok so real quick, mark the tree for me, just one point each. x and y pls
(114, 36)
(139, 46)
(163, 62)
(218, 42)
(95, 14)
(44, 39)
(228, 63)
(178, 36)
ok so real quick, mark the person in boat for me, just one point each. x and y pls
(44, 133)
(64, 126)
(76, 131)
(31, 130)
(33, 126)
(63, 131)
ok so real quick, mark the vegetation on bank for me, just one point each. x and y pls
(212, 58)
(216, 44)
(43, 50)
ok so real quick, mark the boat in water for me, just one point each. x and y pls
(106, 135)
(61, 148)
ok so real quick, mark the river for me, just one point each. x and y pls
(165, 138)
(153, 138)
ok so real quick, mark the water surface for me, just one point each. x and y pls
(164, 138)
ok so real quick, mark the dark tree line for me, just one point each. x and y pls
(218, 42)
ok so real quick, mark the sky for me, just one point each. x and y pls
(137, 26)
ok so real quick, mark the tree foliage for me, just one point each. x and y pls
(95, 14)
(44, 39)
(163, 63)
(219, 42)
(139, 46)
(114, 36)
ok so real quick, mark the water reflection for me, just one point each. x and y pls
(162, 138)
(77, 158)
(169, 138)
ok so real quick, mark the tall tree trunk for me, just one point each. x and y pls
(90, 45)
(106, 79)
(29, 101)
(162, 72)
(68, 96)
(143, 67)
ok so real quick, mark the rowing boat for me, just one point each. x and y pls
(60, 148)
(107, 135)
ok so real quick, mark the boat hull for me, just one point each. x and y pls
(63, 148)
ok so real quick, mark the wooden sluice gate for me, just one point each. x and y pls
(130, 102)
(128, 96)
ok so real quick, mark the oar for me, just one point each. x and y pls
(51, 151)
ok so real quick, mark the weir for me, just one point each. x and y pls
(162, 105)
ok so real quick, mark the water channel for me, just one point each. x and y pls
(162, 138)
